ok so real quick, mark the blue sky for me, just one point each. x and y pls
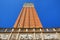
(48, 12)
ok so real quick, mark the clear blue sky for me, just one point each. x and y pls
(48, 11)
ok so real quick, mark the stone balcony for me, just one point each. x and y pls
(30, 34)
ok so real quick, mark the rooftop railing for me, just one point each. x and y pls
(29, 30)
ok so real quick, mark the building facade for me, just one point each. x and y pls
(29, 34)
(29, 27)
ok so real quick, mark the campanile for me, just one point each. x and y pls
(28, 17)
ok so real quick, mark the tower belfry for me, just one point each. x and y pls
(29, 27)
(28, 17)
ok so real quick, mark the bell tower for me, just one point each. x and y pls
(28, 17)
(29, 27)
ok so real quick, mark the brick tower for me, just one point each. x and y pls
(29, 27)
(28, 17)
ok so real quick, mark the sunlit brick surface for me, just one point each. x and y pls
(28, 17)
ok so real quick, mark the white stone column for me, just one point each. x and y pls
(34, 36)
(18, 35)
(10, 34)
(58, 36)
(42, 36)
(5, 30)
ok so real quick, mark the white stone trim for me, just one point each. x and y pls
(54, 29)
(40, 29)
(28, 5)
(47, 29)
(5, 30)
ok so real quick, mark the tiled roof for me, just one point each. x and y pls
(28, 17)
